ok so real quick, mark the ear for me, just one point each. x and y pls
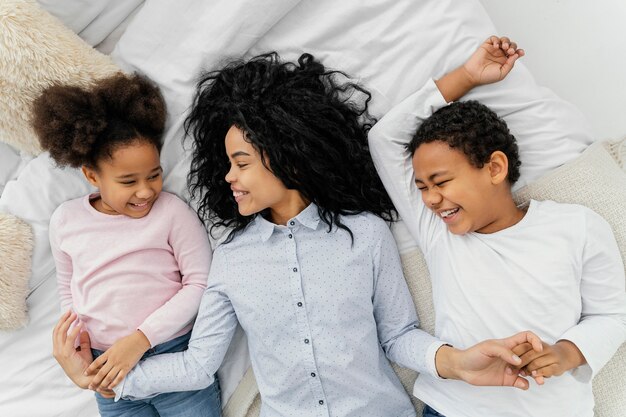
(91, 175)
(498, 167)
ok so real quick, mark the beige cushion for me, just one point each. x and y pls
(596, 179)
(36, 50)
(16, 246)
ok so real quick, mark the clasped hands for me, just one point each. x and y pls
(508, 361)
(108, 370)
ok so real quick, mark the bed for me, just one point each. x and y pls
(391, 47)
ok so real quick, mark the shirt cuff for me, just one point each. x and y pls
(431, 353)
(119, 390)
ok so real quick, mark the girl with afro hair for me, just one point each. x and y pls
(309, 267)
(132, 261)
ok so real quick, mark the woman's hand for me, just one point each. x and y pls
(73, 360)
(117, 361)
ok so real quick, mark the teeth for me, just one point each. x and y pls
(238, 193)
(140, 205)
(447, 213)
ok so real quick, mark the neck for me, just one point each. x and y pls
(288, 208)
(508, 215)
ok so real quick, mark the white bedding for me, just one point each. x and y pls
(391, 46)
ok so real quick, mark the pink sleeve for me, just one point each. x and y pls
(190, 243)
(62, 261)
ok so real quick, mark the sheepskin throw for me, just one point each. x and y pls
(36, 50)
(16, 246)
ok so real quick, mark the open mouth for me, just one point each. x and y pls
(239, 195)
(139, 206)
(448, 214)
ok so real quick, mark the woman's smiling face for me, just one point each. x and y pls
(255, 188)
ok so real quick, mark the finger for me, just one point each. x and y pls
(64, 326)
(110, 377)
(118, 379)
(97, 380)
(96, 364)
(493, 40)
(523, 337)
(512, 48)
(499, 351)
(505, 42)
(520, 350)
(546, 371)
(64, 317)
(540, 362)
(508, 65)
(539, 379)
(521, 383)
(106, 393)
(85, 341)
(71, 338)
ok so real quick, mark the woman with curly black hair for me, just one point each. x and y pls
(131, 261)
(306, 121)
(310, 269)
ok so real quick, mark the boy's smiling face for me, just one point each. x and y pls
(466, 198)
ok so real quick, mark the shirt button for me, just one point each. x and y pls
(290, 236)
(295, 270)
(292, 223)
(306, 341)
(313, 374)
(321, 402)
(299, 304)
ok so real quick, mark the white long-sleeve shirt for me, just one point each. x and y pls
(558, 272)
(322, 314)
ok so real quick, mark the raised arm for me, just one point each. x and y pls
(390, 136)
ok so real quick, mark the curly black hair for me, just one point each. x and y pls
(80, 126)
(475, 130)
(308, 123)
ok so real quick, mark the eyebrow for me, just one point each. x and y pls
(432, 176)
(239, 153)
(159, 168)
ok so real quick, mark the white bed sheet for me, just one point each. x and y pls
(392, 47)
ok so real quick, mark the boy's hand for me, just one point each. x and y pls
(492, 61)
(554, 360)
(489, 363)
(117, 361)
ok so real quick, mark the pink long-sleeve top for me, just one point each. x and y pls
(120, 274)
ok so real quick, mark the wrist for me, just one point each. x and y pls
(141, 340)
(572, 356)
(445, 362)
(455, 84)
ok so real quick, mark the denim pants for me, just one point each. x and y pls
(429, 412)
(201, 403)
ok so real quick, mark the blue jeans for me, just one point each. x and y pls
(429, 412)
(201, 403)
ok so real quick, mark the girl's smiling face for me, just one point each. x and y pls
(255, 188)
(129, 182)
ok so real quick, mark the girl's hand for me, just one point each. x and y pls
(492, 61)
(554, 360)
(117, 361)
(73, 360)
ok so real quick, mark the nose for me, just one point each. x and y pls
(431, 198)
(230, 176)
(145, 192)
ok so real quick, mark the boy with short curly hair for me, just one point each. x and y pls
(495, 267)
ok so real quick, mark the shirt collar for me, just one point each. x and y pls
(309, 218)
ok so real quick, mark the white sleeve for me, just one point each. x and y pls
(388, 140)
(602, 327)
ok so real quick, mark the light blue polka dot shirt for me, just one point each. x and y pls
(322, 314)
